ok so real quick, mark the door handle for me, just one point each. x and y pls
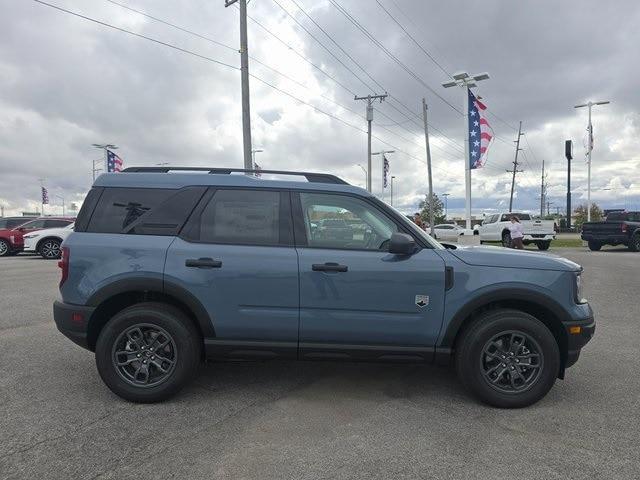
(202, 263)
(329, 267)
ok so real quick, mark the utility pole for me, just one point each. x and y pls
(392, 177)
(589, 148)
(61, 198)
(369, 99)
(382, 154)
(446, 197)
(515, 167)
(466, 82)
(426, 140)
(542, 192)
(244, 78)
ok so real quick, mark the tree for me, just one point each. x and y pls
(580, 214)
(438, 207)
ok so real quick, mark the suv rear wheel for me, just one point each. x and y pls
(508, 358)
(148, 352)
(634, 243)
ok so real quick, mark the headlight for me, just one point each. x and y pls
(30, 236)
(579, 287)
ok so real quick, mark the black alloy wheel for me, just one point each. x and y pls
(4, 248)
(511, 361)
(144, 355)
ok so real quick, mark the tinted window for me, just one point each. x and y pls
(89, 204)
(246, 217)
(12, 222)
(619, 216)
(361, 226)
(56, 223)
(143, 211)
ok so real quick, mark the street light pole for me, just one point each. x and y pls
(466, 81)
(589, 148)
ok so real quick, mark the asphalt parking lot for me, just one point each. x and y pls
(315, 420)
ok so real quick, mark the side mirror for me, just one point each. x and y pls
(402, 244)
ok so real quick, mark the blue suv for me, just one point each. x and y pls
(168, 266)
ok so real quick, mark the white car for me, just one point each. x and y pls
(47, 242)
(447, 231)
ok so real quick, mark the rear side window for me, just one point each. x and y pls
(245, 217)
(143, 211)
(56, 223)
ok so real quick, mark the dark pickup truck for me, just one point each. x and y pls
(619, 228)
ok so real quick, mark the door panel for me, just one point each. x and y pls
(374, 301)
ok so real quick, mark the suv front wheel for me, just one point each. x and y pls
(508, 358)
(148, 352)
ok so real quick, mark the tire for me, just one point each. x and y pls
(506, 240)
(476, 363)
(543, 245)
(49, 248)
(5, 248)
(132, 331)
(594, 246)
(634, 243)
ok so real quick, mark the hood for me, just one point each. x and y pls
(509, 258)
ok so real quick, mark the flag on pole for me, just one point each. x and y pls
(480, 132)
(114, 162)
(385, 170)
(45, 196)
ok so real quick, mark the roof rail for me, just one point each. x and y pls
(311, 177)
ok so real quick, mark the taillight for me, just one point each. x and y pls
(624, 228)
(64, 265)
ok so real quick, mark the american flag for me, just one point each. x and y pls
(385, 170)
(480, 132)
(45, 196)
(114, 162)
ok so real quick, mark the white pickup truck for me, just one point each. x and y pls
(495, 228)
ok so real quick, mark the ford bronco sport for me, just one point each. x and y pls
(168, 266)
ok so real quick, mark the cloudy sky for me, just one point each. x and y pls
(66, 82)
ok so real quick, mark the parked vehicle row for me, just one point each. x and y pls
(17, 232)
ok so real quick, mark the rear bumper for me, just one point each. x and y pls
(72, 321)
(578, 335)
(605, 239)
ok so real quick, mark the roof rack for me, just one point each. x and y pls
(311, 177)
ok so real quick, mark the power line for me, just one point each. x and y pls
(376, 42)
(414, 40)
(123, 30)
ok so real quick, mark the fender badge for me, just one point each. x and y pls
(422, 300)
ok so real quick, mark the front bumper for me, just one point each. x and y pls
(72, 321)
(579, 332)
(538, 238)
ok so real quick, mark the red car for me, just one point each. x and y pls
(11, 241)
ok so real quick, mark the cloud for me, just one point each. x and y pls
(66, 83)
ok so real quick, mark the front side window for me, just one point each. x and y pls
(244, 217)
(344, 222)
(56, 223)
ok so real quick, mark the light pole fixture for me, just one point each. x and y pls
(466, 81)
(104, 147)
(589, 148)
